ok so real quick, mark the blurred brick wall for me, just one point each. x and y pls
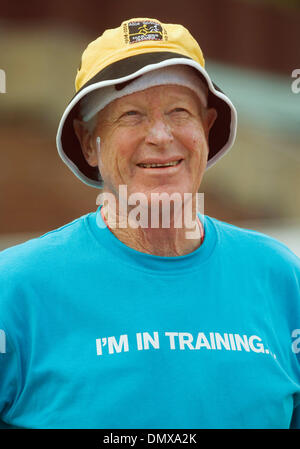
(252, 34)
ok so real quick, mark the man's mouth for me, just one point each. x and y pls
(160, 165)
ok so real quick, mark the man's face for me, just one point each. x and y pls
(160, 125)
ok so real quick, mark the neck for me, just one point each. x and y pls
(159, 240)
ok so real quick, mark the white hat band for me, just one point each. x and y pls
(180, 75)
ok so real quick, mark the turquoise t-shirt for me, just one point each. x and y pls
(95, 334)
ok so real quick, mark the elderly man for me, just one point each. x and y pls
(112, 321)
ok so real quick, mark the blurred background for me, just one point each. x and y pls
(251, 49)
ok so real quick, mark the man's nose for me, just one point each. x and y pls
(159, 132)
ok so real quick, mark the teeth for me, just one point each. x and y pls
(169, 164)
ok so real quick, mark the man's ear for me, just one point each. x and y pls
(86, 142)
(210, 118)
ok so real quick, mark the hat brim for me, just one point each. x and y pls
(221, 136)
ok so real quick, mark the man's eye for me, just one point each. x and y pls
(179, 113)
(130, 116)
(179, 110)
(128, 113)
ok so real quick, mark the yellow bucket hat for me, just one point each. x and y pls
(121, 54)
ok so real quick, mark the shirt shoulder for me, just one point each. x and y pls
(254, 244)
(22, 257)
(256, 260)
(28, 269)
(30, 266)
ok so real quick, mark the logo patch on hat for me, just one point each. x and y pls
(146, 30)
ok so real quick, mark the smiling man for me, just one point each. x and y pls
(111, 324)
(153, 141)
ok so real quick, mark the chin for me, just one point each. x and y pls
(151, 196)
